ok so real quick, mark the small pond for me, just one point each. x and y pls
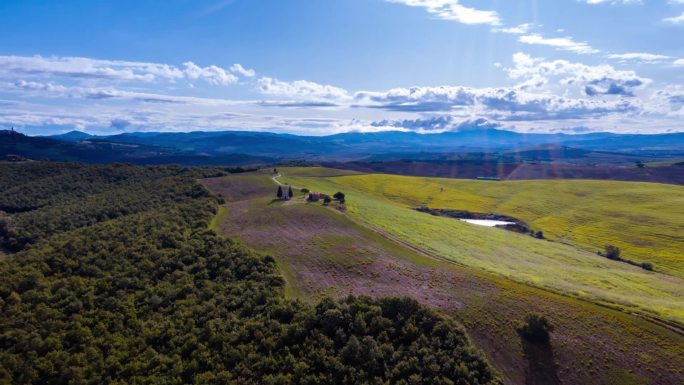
(487, 222)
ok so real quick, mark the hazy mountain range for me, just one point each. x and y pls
(241, 147)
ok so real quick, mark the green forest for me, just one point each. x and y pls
(114, 277)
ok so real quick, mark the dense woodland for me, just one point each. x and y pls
(117, 279)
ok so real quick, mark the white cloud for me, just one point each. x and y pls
(679, 63)
(562, 43)
(590, 80)
(550, 95)
(452, 10)
(675, 19)
(300, 89)
(239, 69)
(53, 90)
(517, 30)
(88, 69)
(212, 74)
(504, 104)
(638, 56)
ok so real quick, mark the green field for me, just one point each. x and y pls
(646, 220)
(385, 202)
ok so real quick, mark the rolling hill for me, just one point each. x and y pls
(568, 263)
(368, 250)
(77, 147)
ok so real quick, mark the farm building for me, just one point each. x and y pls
(316, 196)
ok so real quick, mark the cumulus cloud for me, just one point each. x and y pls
(679, 63)
(239, 69)
(499, 103)
(300, 89)
(212, 74)
(436, 124)
(454, 11)
(549, 95)
(592, 80)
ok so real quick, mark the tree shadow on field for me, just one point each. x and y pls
(541, 364)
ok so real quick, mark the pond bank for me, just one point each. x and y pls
(482, 219)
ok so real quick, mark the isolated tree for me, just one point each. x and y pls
(539, 235)
(279, 194)
(339, 196)
(304, 190)
(536, 329)
(612, 252)
(289, 192)
(327, 200)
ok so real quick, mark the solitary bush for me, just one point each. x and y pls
(339, 196)
(536, 329)
(327, 200)
(612, 252)
(539, 235)
(304, 191)
(647, 266)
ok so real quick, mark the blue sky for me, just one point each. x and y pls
(325, 66)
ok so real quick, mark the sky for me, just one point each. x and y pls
(317, 67)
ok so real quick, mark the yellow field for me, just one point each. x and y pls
(646, 220)
(583, 213)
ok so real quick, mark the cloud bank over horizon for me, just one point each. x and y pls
(535, 90)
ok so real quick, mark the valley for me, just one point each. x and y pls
(379, 246)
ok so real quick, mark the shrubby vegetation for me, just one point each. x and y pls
(120, 281)
(339, 196)
(613, 253)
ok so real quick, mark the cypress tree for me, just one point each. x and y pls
(289, 192)
(279, 194)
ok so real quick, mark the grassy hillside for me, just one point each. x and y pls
(645, 220)
(385, 202)
(325, 252)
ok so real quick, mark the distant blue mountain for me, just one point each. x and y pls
(355, 145)
(72, 136)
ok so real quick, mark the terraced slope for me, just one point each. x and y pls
(386, 202)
